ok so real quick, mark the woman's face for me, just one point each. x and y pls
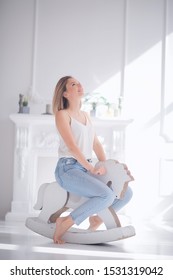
(74, 88)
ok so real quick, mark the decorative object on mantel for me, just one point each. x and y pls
(99, 106)
(23, 104)
(48, 110)
(120, 101)
(20, 102)
(94, 100)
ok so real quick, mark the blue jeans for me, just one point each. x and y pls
(74, 178)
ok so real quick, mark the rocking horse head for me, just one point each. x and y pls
(117, 176)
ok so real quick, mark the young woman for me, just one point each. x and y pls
(74, 171)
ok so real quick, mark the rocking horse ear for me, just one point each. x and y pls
(109, 184)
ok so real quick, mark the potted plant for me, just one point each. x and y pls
(95, 100)
(25, 107)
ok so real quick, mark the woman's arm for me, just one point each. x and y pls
(98, 149)
(97, 146)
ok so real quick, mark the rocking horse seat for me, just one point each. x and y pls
(53, 200)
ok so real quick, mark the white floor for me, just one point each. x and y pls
(151, 242)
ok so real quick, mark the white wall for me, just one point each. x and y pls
(16, 31)
(109, 45)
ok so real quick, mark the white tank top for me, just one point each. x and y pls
(84, 137)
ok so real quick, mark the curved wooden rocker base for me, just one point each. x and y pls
(81, 236)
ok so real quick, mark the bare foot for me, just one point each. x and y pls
(62, 225)
(95, 222)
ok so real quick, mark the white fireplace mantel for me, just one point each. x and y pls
(36, 137)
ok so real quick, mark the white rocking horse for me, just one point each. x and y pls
(53, 200)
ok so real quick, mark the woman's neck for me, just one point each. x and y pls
(74, 108)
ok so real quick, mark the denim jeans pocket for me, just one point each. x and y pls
(69, 163)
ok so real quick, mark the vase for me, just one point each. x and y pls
(25, 110)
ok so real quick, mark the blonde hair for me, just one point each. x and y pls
(59, 102)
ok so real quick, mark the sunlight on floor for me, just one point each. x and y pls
(152, 241)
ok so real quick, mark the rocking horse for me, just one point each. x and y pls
(53, 200)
